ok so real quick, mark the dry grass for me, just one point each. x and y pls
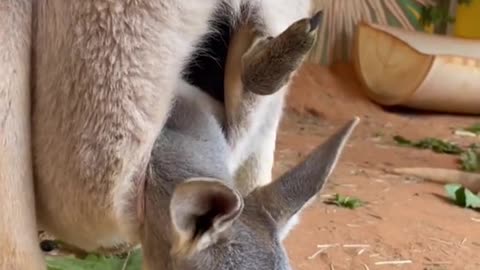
(341, 17)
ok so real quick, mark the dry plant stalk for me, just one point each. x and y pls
(340, 20)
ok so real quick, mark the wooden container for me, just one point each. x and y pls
(418, 70)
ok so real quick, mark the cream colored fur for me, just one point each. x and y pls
(105, 74)
(18, 240)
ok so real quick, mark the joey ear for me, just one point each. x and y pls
(201, 209)
(286, 196)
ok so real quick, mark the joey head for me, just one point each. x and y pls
(195, 219)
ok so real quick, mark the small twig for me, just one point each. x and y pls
(356, 246)
(465, 133)
(441, 241)
(361, 251)
(463, 241)
(348, 185)
(393, 262)
(332, 267)
(438, 263)
(125, 263)
(446, 252)
(314, 255)
(321, 248)
(327, 245)
(366, 267)
(375, 216)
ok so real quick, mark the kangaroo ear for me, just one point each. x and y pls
(201, 209)
(285, 197)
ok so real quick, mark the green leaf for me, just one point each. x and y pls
(433, 144)
(435, 15)
(94, 262)
(402, 141)
(462, 196)
(347, 202)
(470, 160)
(451, 190)
(475, 146)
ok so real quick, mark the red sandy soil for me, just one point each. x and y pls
(404, 219)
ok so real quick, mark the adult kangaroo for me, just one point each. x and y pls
(105, 76)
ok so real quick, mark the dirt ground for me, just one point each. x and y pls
(404, 219)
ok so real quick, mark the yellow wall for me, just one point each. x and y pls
(467, 23)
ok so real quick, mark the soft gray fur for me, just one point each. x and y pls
(192, 144)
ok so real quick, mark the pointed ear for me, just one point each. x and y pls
(286, 196)
(201, 209)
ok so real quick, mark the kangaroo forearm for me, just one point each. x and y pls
(105, 78)
(19, 248)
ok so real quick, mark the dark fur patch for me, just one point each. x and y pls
(207, 66)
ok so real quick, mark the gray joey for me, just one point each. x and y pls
(194, 217)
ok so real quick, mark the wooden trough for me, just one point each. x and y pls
(418, 70)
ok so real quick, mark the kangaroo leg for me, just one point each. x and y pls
(105, 77)
(257, 77)
(256, 169)
(18, 232)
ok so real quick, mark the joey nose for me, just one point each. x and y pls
(316, 20)
(48, 245)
